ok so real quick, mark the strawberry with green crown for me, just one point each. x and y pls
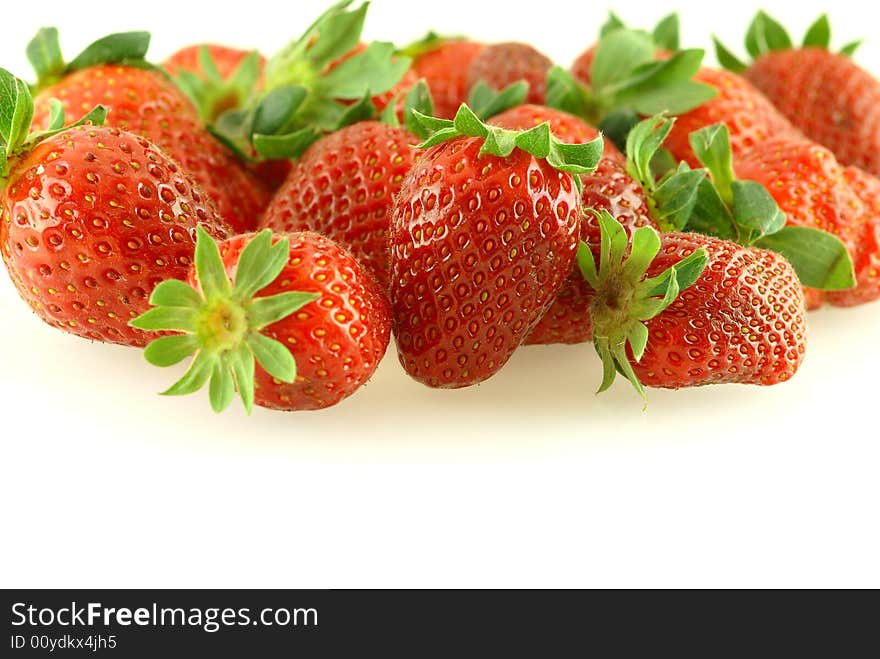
(290, 322)
(92, 218)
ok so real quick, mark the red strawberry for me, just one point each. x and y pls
(294, 325)
(444, 65)
(826, 95)
(503, 64)
(684, 310)
(749, 116)
(483, 237)
(145, 102)
(812, 190)
(565, 127)
(343, 188)
(92, 219)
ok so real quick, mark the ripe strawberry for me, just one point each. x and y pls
(444, 64)
(565, 127)
(343, 188)
(483, 235)
(826, 95)
(502, 64)
(294, 325)
(145, 102)
(684, 310)
(92, 219)
(749, 116)
(812, 190)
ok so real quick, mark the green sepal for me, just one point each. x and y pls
(727, 59)
(819, 34)
(338, 35)
(44, 55)
(625, 298)
(755, 212)
(710, 215)
(487, 102)
(618, 54)
(612, 22)
(666, 33)
(711, 145)
(575, 159)
(372, 71)
(277, 108)
(617, 125)
(642, 144)
(220, 323)
(418, 99)
(214, 95)
(363, 110)
(665, 86)
(676, 196)
(122, 47)
(850, 49)
(567, 94)
(279, 147)
(765, 35)
(820, 259)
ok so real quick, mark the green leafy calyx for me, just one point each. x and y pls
(746, 213)
(213, 94)
(220, 322)
(575, 159)
(626, 298)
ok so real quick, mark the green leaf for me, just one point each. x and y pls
(280, 147)
(850, 49)
(666, 33)
(676, 197)
(260, 264)
(170, 350)
(338, 35)
(44, 54)
(273, 357)
(765, 35)
(616, 126)
(487, 102)
(688, 270)
(644, 140)
(755, 211)
(417, 99)
(617, 55)
(612, 23)
(175, 293)
(363, 110)
(371, 71)
(277, 108)
(113, 49)
(208, 65)
(242, 364)
(567, 94)
(645, 247)
(710, 215)
(16, 111)
(819, 34)
(727, 59)
(198, 374)
(613, 244)
(638, 340)
(173, 319)
(213, 279)
(587, 264)
(221, 389)
(711, 145)
(264, 311)
(56, 115)
(820, 259)
(669, 98)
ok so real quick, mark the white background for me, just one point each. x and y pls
(529, 480)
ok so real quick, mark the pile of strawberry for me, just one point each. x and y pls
(280, 219)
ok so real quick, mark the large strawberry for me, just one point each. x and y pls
(683, 310)
(344, 185)
(92, 219)
(484, 233)
(142, 100)
(444, 64)
(826, 95)
(503, 64)
(294, 325)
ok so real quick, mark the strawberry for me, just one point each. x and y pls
(92, 219)
(814, 190)
(483, 235)
(143, 101)
(502, 64)
(444, 64)
(293, 323)
(684, 310)
(826, 95)
(565, 127)
(749, 116)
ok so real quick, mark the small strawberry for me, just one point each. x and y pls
(826, 95)
(293, 323)
(503, 64)
(444, 64)
(344, 186)
(92, 219)
(684, 310)
(143, 101)
(484, 232)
